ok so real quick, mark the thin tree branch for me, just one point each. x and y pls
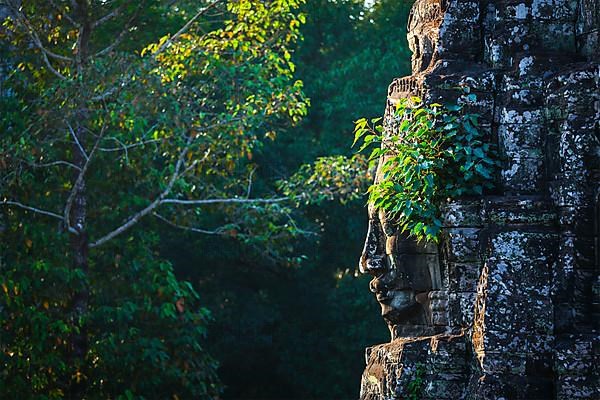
(17, 11)
(79, 180)
(218, 231)
(83, 152)
(130, 222)
(249, 188)
(185, 27)
(300, 231)
(105, 95)
(121, 35)
(134, 219)
(36, 210)
(51, 68)
(38, 43)
(108, 16)
(51, 164)
(234, 200)
(124, 146)
(64, 13)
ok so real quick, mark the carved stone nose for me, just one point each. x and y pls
(371, 264)
(371, 260)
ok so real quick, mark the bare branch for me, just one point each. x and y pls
(297, 229)
(249, 189)
(35, 210)
(135, 218)
(64, 14)
(38, 43)
(130, 222)
(108, 16)
(51, 164)
(51, 68)
(186, 27)
(125, 147)
(105, 95)
(234, 200)
(218, 231)
(196, 162)
(83, 152)
(79, 180)
(17, 11)
(78, 50)
(118, 40)
(161, 199)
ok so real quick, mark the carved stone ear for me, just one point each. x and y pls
(422, 298)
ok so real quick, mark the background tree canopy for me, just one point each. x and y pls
(300, 331)
(143, 146)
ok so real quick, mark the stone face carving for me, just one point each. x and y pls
(508, 305)
(423, 28)
(406, 277)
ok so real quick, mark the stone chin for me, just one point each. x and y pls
(396, 305)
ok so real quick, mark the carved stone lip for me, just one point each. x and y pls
(383, 297)
(386, 297)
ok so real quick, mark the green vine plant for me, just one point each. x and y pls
(416, 385)
(433, 154)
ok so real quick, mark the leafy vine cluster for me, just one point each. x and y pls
(432, 153)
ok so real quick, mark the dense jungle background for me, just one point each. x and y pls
(277, 318)
(300, 332)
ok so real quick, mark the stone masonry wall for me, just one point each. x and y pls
(520, 309)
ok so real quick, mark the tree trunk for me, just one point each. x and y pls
(77, 219)
(79, 249)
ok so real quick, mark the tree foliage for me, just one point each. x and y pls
(119, 114)
(299, 330)
(147, 329)
(176, 115)
(433, 153)
(172, 126)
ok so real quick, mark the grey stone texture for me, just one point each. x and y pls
(508, 305)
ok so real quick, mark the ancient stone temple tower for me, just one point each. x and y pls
(508, 305)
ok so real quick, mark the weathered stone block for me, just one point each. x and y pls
(514, 139)
(461, 308)
(520, 116)
(570, 387)
(498, 341)
(444, 388)
(523, 174)
(540, 344)
(462, 244)
(539, 316)
(588, 19)
(579, 221)
(521, 210)
(504, 363)
(462, 214)
(589, 44)
(463, 277)
(522, 245)
(554, 10)
(555, 36)
(523, 97)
